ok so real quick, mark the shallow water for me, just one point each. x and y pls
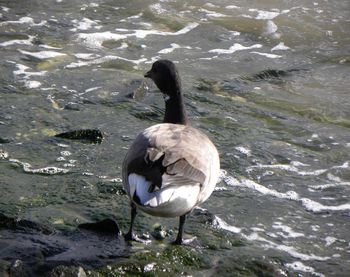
(266, 80)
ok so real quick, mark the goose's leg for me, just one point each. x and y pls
(181, 230)
(129, 235)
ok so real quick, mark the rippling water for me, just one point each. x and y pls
(268, 81)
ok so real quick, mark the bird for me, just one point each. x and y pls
(171, 167)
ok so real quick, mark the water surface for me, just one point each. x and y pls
(267, 81)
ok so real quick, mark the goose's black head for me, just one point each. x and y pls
(164, 74)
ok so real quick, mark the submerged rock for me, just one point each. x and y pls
(89, 135)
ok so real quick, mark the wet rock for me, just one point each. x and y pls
(67, 271)
(23, 225)
(159, 232)
(106, 226)
(31, 249)
(89, 135)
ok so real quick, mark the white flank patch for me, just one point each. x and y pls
(139, 185)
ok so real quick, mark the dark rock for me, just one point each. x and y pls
(4, 140)
(23, 225)
(89, 135)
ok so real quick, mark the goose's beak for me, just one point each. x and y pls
(148, 74)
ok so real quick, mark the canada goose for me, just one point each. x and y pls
(171, 167)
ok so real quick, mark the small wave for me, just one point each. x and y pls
(103, 60)
(299, 266)
(234, 48)
(221, 224)
(84, 24)
(268, 55)
(95, 40)
(42, 54)
(24, 20)
(308, 204)
(280, 47)
(28, 41)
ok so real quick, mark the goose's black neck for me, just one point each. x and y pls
(175, 108)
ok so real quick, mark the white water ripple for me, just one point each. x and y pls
(308, 204)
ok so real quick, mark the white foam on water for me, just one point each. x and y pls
(5, 9)
(287, 231)
(144, 33)
(24, 20)
(212, 13)
(292, 167)
(92, 89)
(131, 17)
(95, 40)
(103, 60)
(231, 7)
(28, 41)
(244, 150)
(299, 266)
(307, 203)
(86, 56)
(234, 48)
(32, 84)
(265, 15)
(280, 47)
(270, 28)
(157, 8)
(84, 24)
(292, 251)
(22, 71)
(221, 224)
(268, 55)
(50, 170)
(49, 47)
(172, 48)
(42, 54)
(330, 240)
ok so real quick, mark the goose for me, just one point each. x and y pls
(171, 167)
